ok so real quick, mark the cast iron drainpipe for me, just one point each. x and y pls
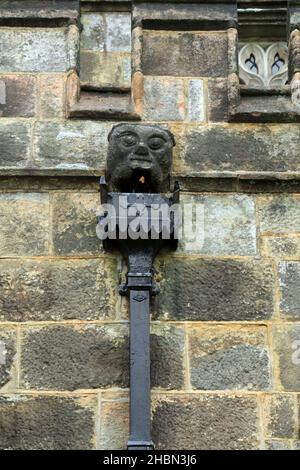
(139, 288)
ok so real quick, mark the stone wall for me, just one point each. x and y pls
(226, 327)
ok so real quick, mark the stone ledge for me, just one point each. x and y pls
(106, 5)
(104, 105)
(188, 182)
(219, 183)
(235, 181)
(236, 152)
(38, 13)
(185, 15)
(243, 175)
(70, 170)
(90, 182)
(264, 109)
(264, 106)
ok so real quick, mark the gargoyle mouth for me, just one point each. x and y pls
(141, 158)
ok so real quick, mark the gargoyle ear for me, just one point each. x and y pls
(114, 128)
(172, 138)
(171, 135)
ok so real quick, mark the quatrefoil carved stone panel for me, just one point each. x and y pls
(263, 65)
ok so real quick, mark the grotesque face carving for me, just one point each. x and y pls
(139, 158)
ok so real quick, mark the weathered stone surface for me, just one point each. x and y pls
(40, 183)
(295, 93)
(74, 146)
(74, 223)
(21, 99)
(2, 95)
(70, 358)
(205, 422)
(167, 350)
(24, 224)
(7, 353)
(294, 59)
(93, 32)
(118, 32)
(46, 423)
(164, 99)
(195, 103)
(289, 281)
(93, 356)
(279, 213)
(277, 444)
(36, 50)
(55, 290)
(281, 247)
(114, 424)
(236, 148)
(298, 417)
(107, 69)
(52, 88)
(109, 32)
(287, 355)
(278, 411)
(15, 143)
(294, 14)
(187, 422)
(193, 54)
(229, 359)
(217, 99)
(221, 290)
(271, 185)
(225, 225)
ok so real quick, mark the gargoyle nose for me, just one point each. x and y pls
(142, 150)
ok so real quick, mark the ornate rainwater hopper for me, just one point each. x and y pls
(139, 218)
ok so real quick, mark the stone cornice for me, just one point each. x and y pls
(198, 15)
(38, 12)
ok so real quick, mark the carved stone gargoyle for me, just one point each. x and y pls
(139, 158)
(137, 175)
(138, 166)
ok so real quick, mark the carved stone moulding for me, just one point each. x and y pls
(263, 65)
(265, 87)
(39, 12)
(185, 15)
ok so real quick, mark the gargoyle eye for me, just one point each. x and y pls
(129, 140)
(155, 142)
